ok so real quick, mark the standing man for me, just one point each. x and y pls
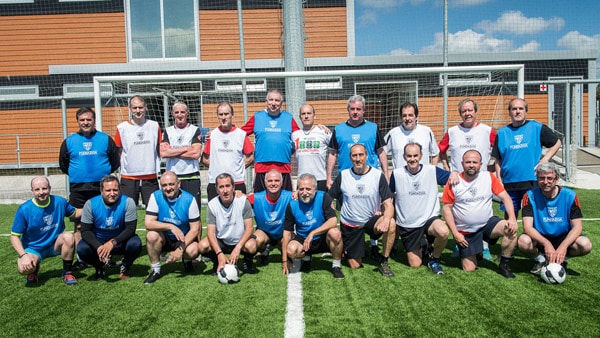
(310, 228)
(38, 232)
(139, 142)
(311, 147)
(86, 156)
(228, 226)
(468, 213)
(231, 151)
(410, 131)
(272, 129)
(470, 134)
(108, 225)
(181, 147)
(518, 150)
(552, 221)
(367, 207)
(357, 130)
(173, 224)
(269, 212)
(416, 184)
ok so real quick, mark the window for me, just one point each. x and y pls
(162, 29)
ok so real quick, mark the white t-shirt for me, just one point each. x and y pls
(398, 137)
(311, 151)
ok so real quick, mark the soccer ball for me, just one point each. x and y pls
(553, 273)
(229, 274)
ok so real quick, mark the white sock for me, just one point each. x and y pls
(337, 263)
(486, 245)
(155, 267)
(540, 258)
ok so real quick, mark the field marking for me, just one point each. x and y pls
(294, 314)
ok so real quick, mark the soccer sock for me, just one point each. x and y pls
(67, 265)
(486, 245)
(337, 263)
(79, 259)
(155, 267)
(373, 242)
(540, 258)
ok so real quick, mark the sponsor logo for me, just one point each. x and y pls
(360, 188)
(273, 123)
(225, 143)
(48, 219)
(109, 222)
(272, 215)
(355, 138)
(140, 135)
(469, 139)
(309, 214)
(552, 211)
(473, 191)
(518, 138)
(87, 146)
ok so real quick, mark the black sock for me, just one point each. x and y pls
(67, 265)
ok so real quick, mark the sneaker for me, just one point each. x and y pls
(123, 272)
(248, 266)
(487, 255)
(564, 265)
(537, 267)
(214, 269)
(305, 265)
(455, 253)
(385, 270)
(68, 278)
(337, 272)
(99, 275)
(32, 278)
(153, 277)
(435, 266)
(505, 271)
(79, 265)
(188, 266)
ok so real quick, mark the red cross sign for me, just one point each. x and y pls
(543, 88)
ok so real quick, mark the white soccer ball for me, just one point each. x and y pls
(553, 273)
(229, 274)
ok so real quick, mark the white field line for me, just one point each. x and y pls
(294, 314)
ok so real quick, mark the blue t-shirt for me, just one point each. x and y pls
(89, 158)
(308, 216)
(269, 217)
(108, 221)
(345, 136)
(40, 225)
(551, 217)
(273, 137)
(175, 212)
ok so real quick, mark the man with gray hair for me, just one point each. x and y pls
(552, 221)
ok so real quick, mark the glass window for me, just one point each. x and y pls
(162, 29)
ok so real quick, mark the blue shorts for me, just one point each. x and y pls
(47, 252)
(516, 196)
(476, 239)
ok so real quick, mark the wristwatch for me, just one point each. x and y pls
(114, 242)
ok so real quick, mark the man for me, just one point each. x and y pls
(552, 221)
(366, 208)
(108, 225)
(269, 212)
(469, 134)
(139, 142)
(468, 213)
(416, 184)
(181, 147)
(173, 224)
(38, 232)
(310, 228)
(228, 226)
(231, 151)
(411, 131)
(518, 150)
(311, 147)
(86, 156)
(272, 129)
(357, 130)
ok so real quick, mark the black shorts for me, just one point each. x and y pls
(226, 248)
(354, 238)
(555, 240)
(171, 244)
(193, 187)
(133, 188)
(77, 198)
(322, 185)
(259, 182)
(211, 189)
(414, 238)
(476, 239)
(318, 245)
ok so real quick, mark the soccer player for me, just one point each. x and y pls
(552, 221)
(139, 142)
(228, 226)
(272, 129)
(38, 232)
(468, 213)
(367, 207)
(108, 225)
(518, 150)
(86, 156)
(173, 224)
(312, 146)
(469, 134)
(411, 131)
(181, 147)
(357, 130)
(310, 228)
(416, 184)
(227, 150)
(269, 212)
